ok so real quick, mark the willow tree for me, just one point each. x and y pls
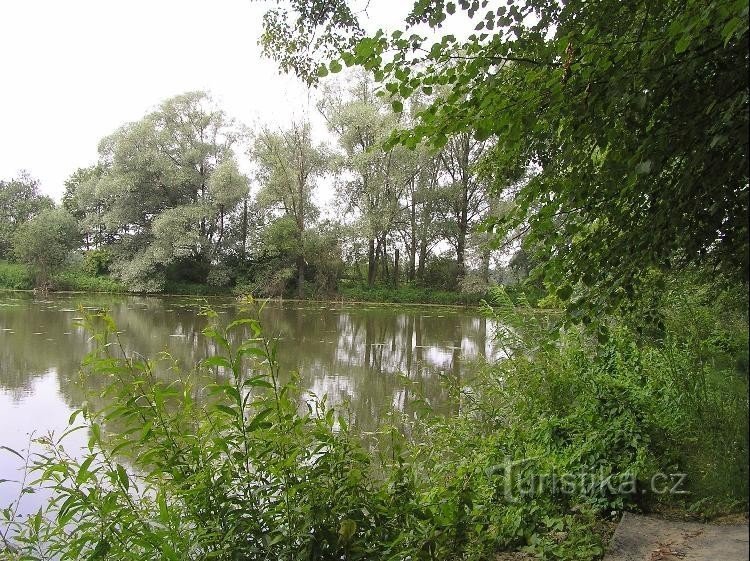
(375, 180)
(20, 201)
(165, 187)
(464, 192)
(289, 164)
(45, 242)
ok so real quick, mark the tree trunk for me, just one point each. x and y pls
(372, 261)
(220, 240)
(422, 259)
(463, 219)
(395, 268)
(301, 230)
(301, 276)
(244, 230)
(461, 242)
(413, 242)
(384, 249)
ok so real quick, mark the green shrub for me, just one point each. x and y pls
(78, 280)
(96, 262)
(15, 276)
(193, 289)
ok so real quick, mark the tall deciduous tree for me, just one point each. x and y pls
(289, 164)
(20, 201)
(465, 195)
(80, 199)
(419, 227)
(45, 242)
(167, 186)
(375, 179)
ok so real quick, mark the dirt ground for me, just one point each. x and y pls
(646, 538)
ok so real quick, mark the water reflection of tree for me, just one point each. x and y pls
(353, 353)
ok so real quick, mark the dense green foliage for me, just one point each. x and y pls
(629, 121)
(162, 192)
(20, 201)
(167, 207)
(74, 279)
(71, 277)
(599, 141)
(243, 472)
(45, 242)
(15, 276)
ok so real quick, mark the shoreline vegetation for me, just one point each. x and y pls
(546, 449)
(16, 276)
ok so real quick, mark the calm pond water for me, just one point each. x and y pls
(355, 353)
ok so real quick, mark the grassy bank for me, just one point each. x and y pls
(14, 276)
(408, 295)
(546, 447)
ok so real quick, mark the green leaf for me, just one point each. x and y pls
(12, 451)
(226, 409)
(122, 475)
(258, 382)
(565, 292)
(347, 528)
(217, 361)
(83, 471)
(214, 334)
(397, 106)
(253, 323)
(682, 44)
(101, 550)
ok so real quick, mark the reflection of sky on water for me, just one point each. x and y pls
(39, 408)
(356, 354)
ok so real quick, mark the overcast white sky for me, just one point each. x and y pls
(73, 71)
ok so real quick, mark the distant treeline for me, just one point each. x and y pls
(167, 206)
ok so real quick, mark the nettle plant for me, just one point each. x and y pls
(177, 469)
